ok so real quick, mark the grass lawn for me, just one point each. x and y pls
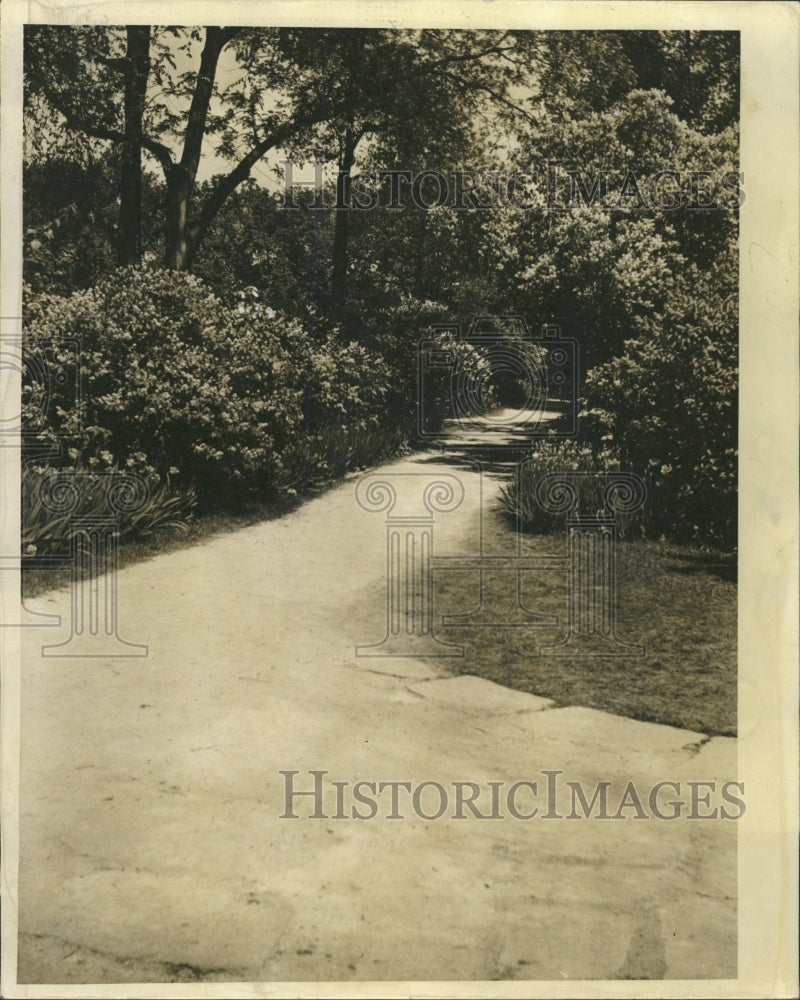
(679, 603)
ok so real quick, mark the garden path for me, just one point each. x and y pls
(151, 789)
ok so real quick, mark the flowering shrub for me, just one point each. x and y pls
(177, 382)
(393, 330)
(664, 409)
(549, 457)
(668, 407)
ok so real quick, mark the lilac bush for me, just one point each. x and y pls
(232, 399)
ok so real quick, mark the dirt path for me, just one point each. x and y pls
(152, 847)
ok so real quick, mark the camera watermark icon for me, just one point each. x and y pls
(498, 380)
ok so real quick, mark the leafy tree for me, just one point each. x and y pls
(72, 69)
(648, 286)
(310, 87)
(407, 101)
(611, 224)
(699, 70)
(255, 243)
(70, 222)
(97, 80)
(586, 71)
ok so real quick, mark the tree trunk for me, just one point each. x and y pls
(181, 177)
(137, 71)
(341, 230)
(419, 270)
(179, 190)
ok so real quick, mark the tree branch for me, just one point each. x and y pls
(77, 124)
(201, 99)
(229, 33)
(496, 47)
(119, 64)
(493, 93)
(228, 184)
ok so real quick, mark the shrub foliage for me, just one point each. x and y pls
(232, 399)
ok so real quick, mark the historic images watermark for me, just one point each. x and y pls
(462, 373)
(84, 507)
(548, 795)
(497, 376)
(551, 186)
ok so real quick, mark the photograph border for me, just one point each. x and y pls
(768, 459)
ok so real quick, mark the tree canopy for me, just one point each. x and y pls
(591, 180)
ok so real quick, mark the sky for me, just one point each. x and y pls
(210, 163)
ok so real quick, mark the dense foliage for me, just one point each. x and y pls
(668, 407)
(229, 399)
(300, 346)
